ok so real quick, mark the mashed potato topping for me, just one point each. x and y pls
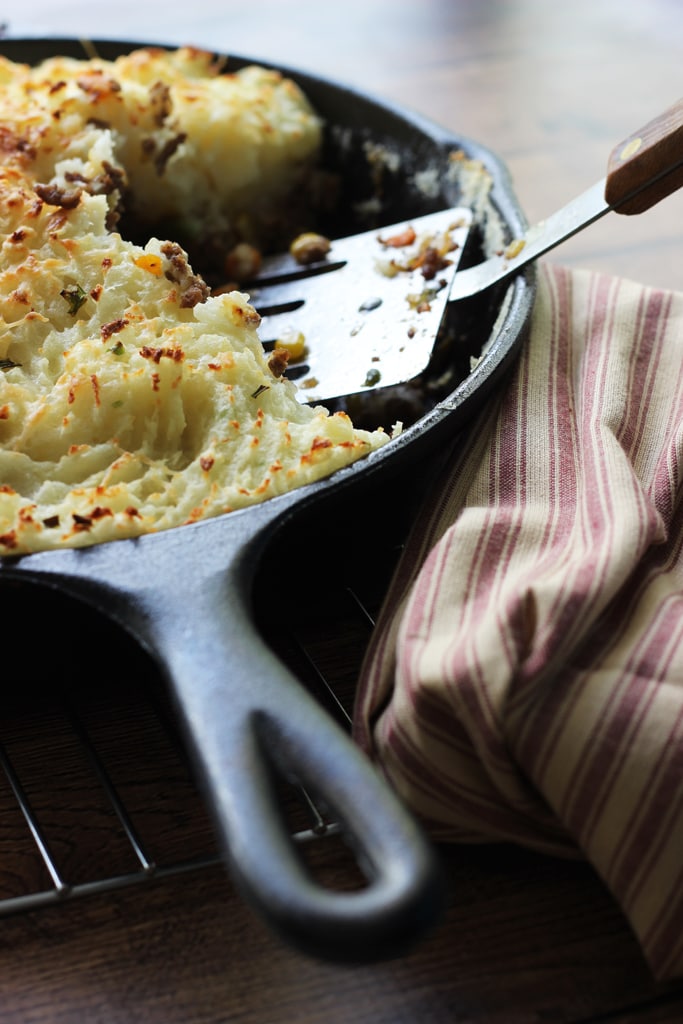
(131, 398)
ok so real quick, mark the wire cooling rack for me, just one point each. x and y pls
(96, 792)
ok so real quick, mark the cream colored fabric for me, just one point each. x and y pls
(525, 680)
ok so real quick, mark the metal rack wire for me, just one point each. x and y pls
(57, 886)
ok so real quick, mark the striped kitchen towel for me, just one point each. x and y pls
(525, 677)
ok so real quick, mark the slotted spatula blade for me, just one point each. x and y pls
(369, 314)
(367, 322)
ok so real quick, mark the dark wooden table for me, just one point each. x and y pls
(550, 87)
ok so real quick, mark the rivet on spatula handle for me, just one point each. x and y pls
(658, 146)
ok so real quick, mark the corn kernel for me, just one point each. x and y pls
(293, 342)
(310, 248)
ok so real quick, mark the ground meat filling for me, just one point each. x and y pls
(193, 288)
(54, 195)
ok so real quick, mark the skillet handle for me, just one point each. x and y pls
(245, 718)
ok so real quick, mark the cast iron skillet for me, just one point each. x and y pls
(186, 596)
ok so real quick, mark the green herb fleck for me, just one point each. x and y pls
(259, 390)
(75, 297)
(372, 377)
(117, 404)
(117, 349)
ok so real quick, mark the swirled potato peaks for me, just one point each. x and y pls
(132, 397)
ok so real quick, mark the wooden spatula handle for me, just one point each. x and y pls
(653, 152)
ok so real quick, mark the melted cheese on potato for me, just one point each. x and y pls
(131, 399)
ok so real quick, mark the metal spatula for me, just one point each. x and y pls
(368, 314)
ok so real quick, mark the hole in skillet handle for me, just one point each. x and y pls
(383, 915)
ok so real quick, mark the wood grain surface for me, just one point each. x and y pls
(525, 939)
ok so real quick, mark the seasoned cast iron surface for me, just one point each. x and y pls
(328, 524)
